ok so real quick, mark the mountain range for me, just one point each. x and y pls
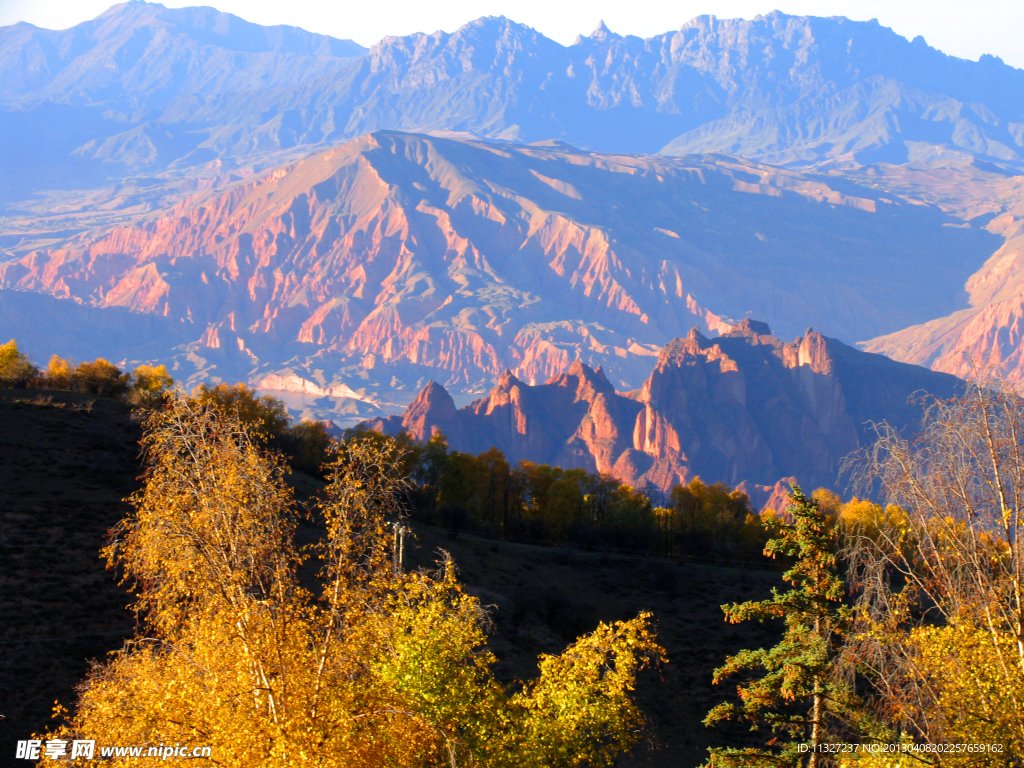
(397, 258)
(144, 88)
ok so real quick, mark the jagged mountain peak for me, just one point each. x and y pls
(586, 382)
(602, 33)
(433, 400)
(485, 30)
(765, 412)
(749, 328)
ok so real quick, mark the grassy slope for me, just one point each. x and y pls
(67, 466)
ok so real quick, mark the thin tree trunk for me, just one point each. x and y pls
(812, 761)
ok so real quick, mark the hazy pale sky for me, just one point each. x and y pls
(960, 28)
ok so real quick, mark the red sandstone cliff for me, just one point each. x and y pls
(741, 407)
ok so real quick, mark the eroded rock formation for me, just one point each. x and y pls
(742, 407)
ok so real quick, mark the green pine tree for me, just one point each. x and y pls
(790, 690)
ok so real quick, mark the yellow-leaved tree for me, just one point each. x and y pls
(382, 668)
(939, 631)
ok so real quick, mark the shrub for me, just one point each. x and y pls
(101, 378)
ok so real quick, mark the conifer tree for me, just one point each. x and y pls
(791, 690)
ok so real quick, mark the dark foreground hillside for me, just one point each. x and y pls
(67, 461)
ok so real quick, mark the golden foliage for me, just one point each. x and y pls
(978, 688)
(101, 377)
(149, 385)
(15, 368)
(386, 668)
(266, 416)
(939, 631)
(60, 373)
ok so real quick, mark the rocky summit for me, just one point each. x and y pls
(741, 408)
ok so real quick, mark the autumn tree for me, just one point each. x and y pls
(59, 374)
(15, 368)
(792, 686)
(382, 668)
(704, 518)
(304, 442)
(261, 414)
(149, 385)
(495, 491)
(101, 377)
(307, 445)
(940, 576)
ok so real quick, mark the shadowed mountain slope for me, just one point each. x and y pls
(741, 407)
(398, 258)
(987, 335)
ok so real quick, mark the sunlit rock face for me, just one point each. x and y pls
(741, 408)
(398, 258)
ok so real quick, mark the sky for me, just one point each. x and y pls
(964, 29)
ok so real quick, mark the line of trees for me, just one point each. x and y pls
(486, 494)
(145, 386)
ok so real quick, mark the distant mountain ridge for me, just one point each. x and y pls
(147, 88)
(742, 407)
(141, 55)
